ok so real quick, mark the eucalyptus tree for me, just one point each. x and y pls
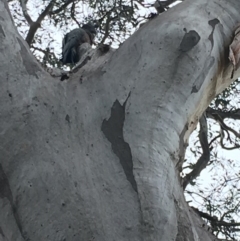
(96, 153)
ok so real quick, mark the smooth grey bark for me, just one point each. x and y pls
(94, 157)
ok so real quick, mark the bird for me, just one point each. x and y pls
(74, 39)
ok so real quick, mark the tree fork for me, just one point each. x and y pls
(61, 177)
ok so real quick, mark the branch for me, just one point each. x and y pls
(39, 49)
(62, 7)
(109, 19)
(232, 114)
(204, 159)
(222, 144)
(219, 116)
(214, 139)
(205, 215)
(229, 212)
(25, 12)
(214, 219)
(35, 25)
(73, 14)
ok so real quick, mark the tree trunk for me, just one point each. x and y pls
(94, 157)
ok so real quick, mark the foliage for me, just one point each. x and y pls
(117, 21)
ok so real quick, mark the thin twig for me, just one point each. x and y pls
(62, 7)
(73, 14)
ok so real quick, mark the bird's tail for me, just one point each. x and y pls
(69, 54)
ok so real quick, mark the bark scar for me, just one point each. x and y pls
(212, 23)
(189, 40)
(113, 131)
(2, 32)
(202, 75)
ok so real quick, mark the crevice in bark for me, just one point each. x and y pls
(1, 232)
(67, 119)
(213, 24)
(182, 148)
(103, 49)
(203, 74)
(82, 63)
(184, 224)
(5, 192)
(1, 31)
(113, 130)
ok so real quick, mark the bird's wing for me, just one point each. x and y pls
(71, 41)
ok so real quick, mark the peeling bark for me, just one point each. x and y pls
(113, 130)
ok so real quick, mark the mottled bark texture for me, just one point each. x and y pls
(94, 157)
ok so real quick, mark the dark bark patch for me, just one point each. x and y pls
(67, 118)
(64, 77)
(201, 77)
(189, 40)
(113, 131)
(29, 63)
(212, 23)
(103, 48)
(182, 148)
(2, 32)
(194, 89)
(5, 192)
(184, 225)
(1, 232)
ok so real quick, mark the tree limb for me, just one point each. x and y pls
(62, 7)
(35, 25)
(109, 19)
(232, 114)
(215, 220)
(219, 116)
(204, 159)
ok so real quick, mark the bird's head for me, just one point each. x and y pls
(90, 27)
